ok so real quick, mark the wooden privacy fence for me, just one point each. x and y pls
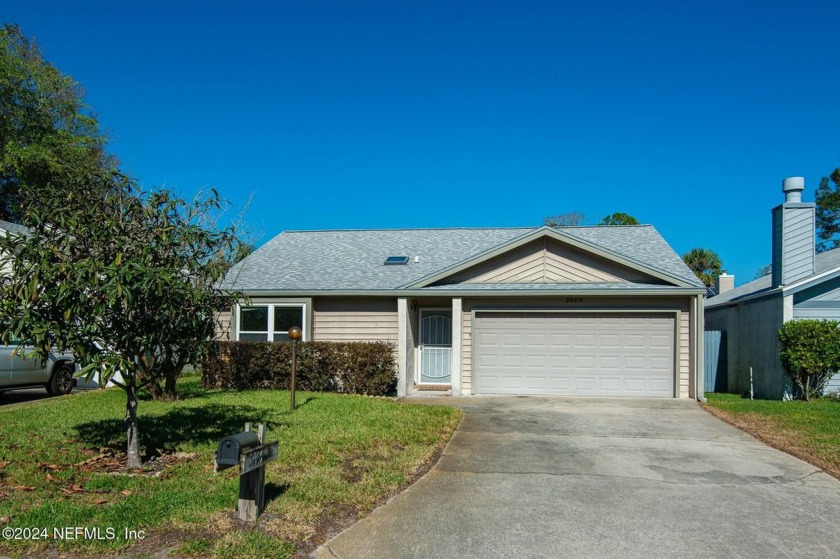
(715, 362)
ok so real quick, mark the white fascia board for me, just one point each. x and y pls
(669, 291)
(810, 282)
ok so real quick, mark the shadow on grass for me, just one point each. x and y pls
(299, 404)
(196, 425)
(274, 490)
(186, 391)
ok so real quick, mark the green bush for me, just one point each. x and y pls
(810, 353)
(346, 367)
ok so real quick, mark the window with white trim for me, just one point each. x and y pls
(270, 323)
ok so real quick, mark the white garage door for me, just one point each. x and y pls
(581, 354)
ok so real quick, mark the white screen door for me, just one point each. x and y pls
(435, 346)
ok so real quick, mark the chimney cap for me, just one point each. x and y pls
(793, 187)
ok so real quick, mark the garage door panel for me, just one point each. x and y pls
(559, 384)
(536, 383)
(660, 341)
(610, 340)
(512, 382)
(610, 363)
(634, 385)
(595, 354)
(584, 384)
(635, 363)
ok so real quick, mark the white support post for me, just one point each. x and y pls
(402, 349)
(457, 321)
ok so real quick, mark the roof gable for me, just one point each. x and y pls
(569, 240)
(548, 261)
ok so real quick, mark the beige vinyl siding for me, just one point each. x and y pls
(598, 303)
(223, 330)
(466, 352)
(547, 261)
(684, 354)
(359, 320)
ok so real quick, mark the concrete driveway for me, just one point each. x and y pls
(562, 477)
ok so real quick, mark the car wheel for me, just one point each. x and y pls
(61, 381)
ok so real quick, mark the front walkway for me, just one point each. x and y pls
(563, 477)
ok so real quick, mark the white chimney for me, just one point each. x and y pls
(724, 282)
(793, 235)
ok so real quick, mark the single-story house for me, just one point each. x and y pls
(802, 284)
(594, 311)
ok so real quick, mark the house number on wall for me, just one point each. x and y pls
(574, 299)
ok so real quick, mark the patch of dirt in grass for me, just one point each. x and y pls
(772, 434)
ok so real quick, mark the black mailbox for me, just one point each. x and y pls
(230, 447)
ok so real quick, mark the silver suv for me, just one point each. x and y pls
(56, 375)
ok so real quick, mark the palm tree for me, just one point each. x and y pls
(704, 263)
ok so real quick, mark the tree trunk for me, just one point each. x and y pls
(132, 432)
(170, 392)
(155, 390)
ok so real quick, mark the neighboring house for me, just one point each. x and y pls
(11, 227)
(80, 382)
(6, 226)
(802, 284)
(595, 311)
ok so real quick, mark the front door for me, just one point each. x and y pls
(435, 346)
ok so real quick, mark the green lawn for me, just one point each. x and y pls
(808, 430)
(339, 457)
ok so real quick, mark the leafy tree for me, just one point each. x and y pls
(828, 212)
(705, 264)
(810, 353)
(763, 271)
(619, 218)
(126, 280)
(243, 251)
(567, 219)
(48, 137)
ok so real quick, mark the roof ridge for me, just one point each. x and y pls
(524, 227)
(466, 228)
(601, 225)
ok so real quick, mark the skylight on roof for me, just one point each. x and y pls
(396, 260)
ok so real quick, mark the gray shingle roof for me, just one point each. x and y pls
(353, 259)
(12, 227)
(825, 262)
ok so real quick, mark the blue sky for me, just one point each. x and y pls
(436, 114)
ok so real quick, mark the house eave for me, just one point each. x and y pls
(662, 292)
(806, 283)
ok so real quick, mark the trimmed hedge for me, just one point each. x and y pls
(345, 367)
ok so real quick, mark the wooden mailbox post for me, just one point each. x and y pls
(251, 461)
